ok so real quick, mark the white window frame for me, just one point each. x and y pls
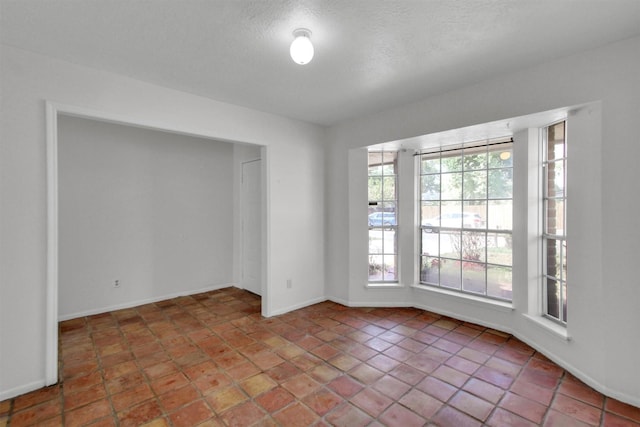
(488, 231)
(382, 227)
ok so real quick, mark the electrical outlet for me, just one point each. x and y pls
(289, 284)
(116, 284)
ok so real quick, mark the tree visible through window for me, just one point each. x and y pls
(383, 202)
(466, 219)
(554, 215)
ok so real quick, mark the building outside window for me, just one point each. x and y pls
(382, 216)
(554, 235)
(466, 210)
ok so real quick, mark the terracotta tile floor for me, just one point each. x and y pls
(212, 360)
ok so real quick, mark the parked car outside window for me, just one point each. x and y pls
(456, 220)
(381, 219)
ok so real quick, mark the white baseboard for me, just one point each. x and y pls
(17, 391)
(588, 380)
(591, 382)
(131, 304)
(298, 306)
(385, 304)
(459, 316)
(421, 307)
(338, 301)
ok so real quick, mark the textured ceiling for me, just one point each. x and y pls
(370, 54)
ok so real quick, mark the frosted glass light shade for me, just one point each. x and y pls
(301, 48)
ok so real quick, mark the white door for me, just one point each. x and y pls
(251, 227)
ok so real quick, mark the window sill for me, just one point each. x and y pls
(382, 285)
(467, 298)
(550, 327)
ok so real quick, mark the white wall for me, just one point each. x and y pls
(294, 180)
(147, 208)
(307, 192)
(604, 292)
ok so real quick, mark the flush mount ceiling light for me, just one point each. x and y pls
(301, 48)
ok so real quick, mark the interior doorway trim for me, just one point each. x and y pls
(52, 111)
(244, 211)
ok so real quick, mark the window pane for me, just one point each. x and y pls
(389, 169)
(375, 241)
(475, 159)
(553, 257)
(474, 213)
(501, 183)
(475, 185)
(430, 243)
(451, 214)
(450, 274)
(555, 149)
(553, 298)
(388, 207)
(473, 246)
(451, 162)
(499, 281)
(450, 244)
(430, 165)
(499, 249)
(556, 142)
(474, 277)
(430, 187)
(375, 188)
(375, 170)
(555, 217)
(430, 270)
(500, 215)
(382, 219)
(389, 160)
(432, 223)
(501, 158)
(451, 186)
(555, 179)
(430, 214)
(375, 268)
(560, 217)
(389, 241)
(390, 273)
(389, 188)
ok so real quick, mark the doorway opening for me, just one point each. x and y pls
(54, 114)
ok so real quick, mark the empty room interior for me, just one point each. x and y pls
(307, 213)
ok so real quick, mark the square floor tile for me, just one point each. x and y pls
(212, 360)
